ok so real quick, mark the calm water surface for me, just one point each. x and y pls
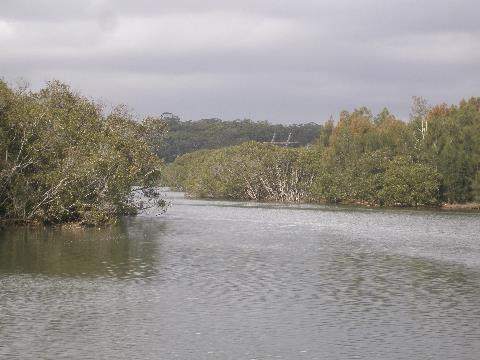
(234, 280)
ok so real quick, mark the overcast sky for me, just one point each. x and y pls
(291, 61)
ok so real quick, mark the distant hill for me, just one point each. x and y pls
(188, 136)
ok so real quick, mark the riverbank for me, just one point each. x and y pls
(471, 206)
(466, 206)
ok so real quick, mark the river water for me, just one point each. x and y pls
(239, 280)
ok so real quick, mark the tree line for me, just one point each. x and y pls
(64, 158)
(360, 158)
(188, 136)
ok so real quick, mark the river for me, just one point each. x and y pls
(240, 280)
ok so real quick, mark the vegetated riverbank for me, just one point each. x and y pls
(64, 159)
(467, 207)
(362, 159)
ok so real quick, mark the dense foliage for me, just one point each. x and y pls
(62, 159)
(376, 160)
(248, 171)
(188, 136)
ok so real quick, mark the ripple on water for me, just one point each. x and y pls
(225, 280)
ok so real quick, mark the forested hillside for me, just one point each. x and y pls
(188, 136)
(376, 160)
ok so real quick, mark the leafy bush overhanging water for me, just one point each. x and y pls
(62, 159)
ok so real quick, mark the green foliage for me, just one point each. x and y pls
(188, 136)
(409, 184)
(251, 170)
(62, 160)
(366, 159)
(451, 144)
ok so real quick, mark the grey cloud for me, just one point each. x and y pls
(285, 61)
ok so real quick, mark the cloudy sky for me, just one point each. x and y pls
(286, 61)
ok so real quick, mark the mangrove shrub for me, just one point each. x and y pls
(62, 159)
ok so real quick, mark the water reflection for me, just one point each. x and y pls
(209, 281)
(123, 250)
